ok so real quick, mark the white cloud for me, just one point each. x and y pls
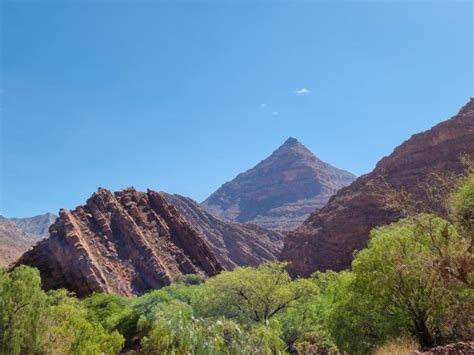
(263, 105)
(274, 113)
(303, 91)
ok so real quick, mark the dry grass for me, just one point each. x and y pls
(403, 346)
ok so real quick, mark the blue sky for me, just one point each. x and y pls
(168, 95)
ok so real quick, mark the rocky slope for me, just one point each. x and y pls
(13, 241)
(36, 225)
(329, 237)
(125, 243)
(281, 191)
(18, 234)
(233, 244)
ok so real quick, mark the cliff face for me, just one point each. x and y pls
(233, 244)
(328, 238)
(124, 243)
(281, 191)
(18, 234)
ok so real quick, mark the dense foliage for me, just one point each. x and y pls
(35, 322)
(414, 281)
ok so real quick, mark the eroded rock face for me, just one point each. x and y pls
(281, 191)
(329, 237)
(233, 244)
(124, 243)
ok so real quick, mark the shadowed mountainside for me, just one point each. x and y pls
(234, 244)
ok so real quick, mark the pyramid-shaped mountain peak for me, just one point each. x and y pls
(292, 143)
(280, 191)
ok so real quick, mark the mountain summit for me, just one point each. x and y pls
(281, 191)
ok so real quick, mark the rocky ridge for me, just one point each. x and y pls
(329, 237)
(233, 244)
(124, 243)
(281, 191)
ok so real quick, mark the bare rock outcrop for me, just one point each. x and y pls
(234, 244)
(329, 237)
(124, 243)
(281, 191)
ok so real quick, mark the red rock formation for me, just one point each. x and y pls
(281, 191)
(124, 243)
(329, 237)
(233, 244)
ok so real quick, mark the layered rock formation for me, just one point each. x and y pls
(281, 191)
(19, 234)
(124, 243)
(329, 237)
(233, 244)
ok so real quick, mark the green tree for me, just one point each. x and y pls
(22, 311)
(33, 322)
(396, 287)
(176, 331)
(71, 331)
(251, 294)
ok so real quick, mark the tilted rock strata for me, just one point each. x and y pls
(329, 237)
(233, 244)
(281, 191)
(124, 243)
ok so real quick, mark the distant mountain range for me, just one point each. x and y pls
(128, 242)
(18, 234)
(281, 191)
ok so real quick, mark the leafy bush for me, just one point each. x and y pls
(251, 294)
(396, 288)
(33, 322)
(175, 330)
